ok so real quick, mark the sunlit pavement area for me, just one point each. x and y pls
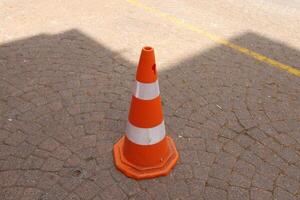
(67, 69)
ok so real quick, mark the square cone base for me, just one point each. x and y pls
(141, 172)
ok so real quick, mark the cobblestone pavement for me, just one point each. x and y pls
(64, 99)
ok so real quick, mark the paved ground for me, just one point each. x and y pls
(66, 73)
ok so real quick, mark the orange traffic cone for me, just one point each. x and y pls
(145, 151)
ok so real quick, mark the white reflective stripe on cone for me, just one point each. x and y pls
(146, 91)
(145, 136)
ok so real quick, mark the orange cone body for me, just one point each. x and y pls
(145, 151)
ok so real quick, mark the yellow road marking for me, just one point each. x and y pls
(181, 23)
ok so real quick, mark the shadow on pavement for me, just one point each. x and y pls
(64, 101)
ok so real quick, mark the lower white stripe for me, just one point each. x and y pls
(146, 91)
(145, 136)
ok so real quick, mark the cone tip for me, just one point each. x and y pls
(148, 48)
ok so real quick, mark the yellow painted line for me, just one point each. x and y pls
(181, 23)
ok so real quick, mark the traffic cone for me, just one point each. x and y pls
(145, 151)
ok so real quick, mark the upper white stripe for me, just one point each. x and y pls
(146, 91)
(145, 136)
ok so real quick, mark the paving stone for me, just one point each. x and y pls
(49, 144)
(183, 171)
(104, 146)
(262, 182)
(69, 183)
(15, 138)
(113, 192)
(277, 161)
(11, 163)
(130, 187)
(30, 178)
(6, 150)
(73, 196)
(88, 141)
(213, 146)
(288, 184)
(189, 156)
(32, 162)
(92, 128)
(56, 192)
(11, 193)
(47, 180)
(244, 168)
(141, 196)
(257, 134)
(289, 155)
(105, 161)
(4, 134)
(55, 106)
(72, 161)
(87, 190)
(31, 194)
(213, 193)
(272, 144)
(62, 153)
(9, 178)
(178, 189)
(261, 151)
(225, 160)
(282, 194)
(240, 181)
(190, 143)
(96, 198)
(252, 158)
(52, 164)
(190, 132)
(155, 189)
(233, 148)
(200, 171)
(103, 178)
(24, 150)
(41, 153)
(196, 188)
(206, 158)
(227, 133)
(260, 194)
(220, 172)
(268, 170)
(285, 139)
(293, 172)
(244, 140)
(237, 193)
(77, 131)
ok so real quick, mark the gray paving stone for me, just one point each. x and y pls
(240, 181)
(213, 193)
(260, 194)
(9, 178)
(282, 194)
(52, 164)
(113, 192)
(87, 190)
(262, 182)
(237, 193)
